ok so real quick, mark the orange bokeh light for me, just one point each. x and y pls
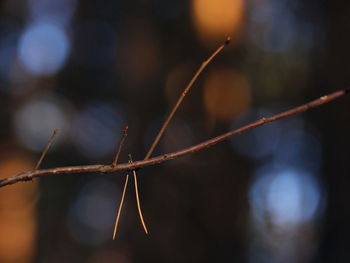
(226, 94)
(217, 19)
(17, 212)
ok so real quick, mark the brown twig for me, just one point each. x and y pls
(120, 145)
(182, 96)
(26, 176)
(138, 198)
(47, 147)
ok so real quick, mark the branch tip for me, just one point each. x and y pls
(182, 96)
(228, 40)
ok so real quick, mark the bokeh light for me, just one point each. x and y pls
(285, 203)
(226, 94)
(18, 220)
(138, 58)
(284, 197)
(273, 27)
(59, 12)
(92, 214)
(96, 129)
(214, 20)
(8, 43)
(35, 121)
(260, 142)
(43, 48)
(177, 136)
(299, 148)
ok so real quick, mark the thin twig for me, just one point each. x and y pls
(137, 198)
(26, 176)
(47, 147)
(182, 96)
(120, 145)
(171, 115)
(120, 207)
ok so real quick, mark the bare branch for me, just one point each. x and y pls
(26, 176)
(47, 147)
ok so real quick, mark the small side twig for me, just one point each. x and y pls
(120, 145)
(47, 147)
(182, 96)
(138, 198)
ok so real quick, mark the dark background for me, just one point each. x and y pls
(279, 193)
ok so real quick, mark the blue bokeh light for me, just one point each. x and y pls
(257, 143)
(275, 27)
(299, 148)
(284, 196)
(43, 48)
(59, 12)
(9, 34)
(92, 214)
(96, 129)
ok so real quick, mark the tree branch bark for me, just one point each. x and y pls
(29, 175)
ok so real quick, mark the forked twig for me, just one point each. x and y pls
(137, 198)
(47, 147)
(120, 207)
(182, 96)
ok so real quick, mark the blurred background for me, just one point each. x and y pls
(279, 193)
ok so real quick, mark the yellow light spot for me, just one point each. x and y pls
(18, 212)
(217, 19)
(226, 94)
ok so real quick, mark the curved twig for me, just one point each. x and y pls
(26, 176)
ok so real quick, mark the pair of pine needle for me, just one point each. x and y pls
(159, 135)
(114, 163)
(121, 142)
